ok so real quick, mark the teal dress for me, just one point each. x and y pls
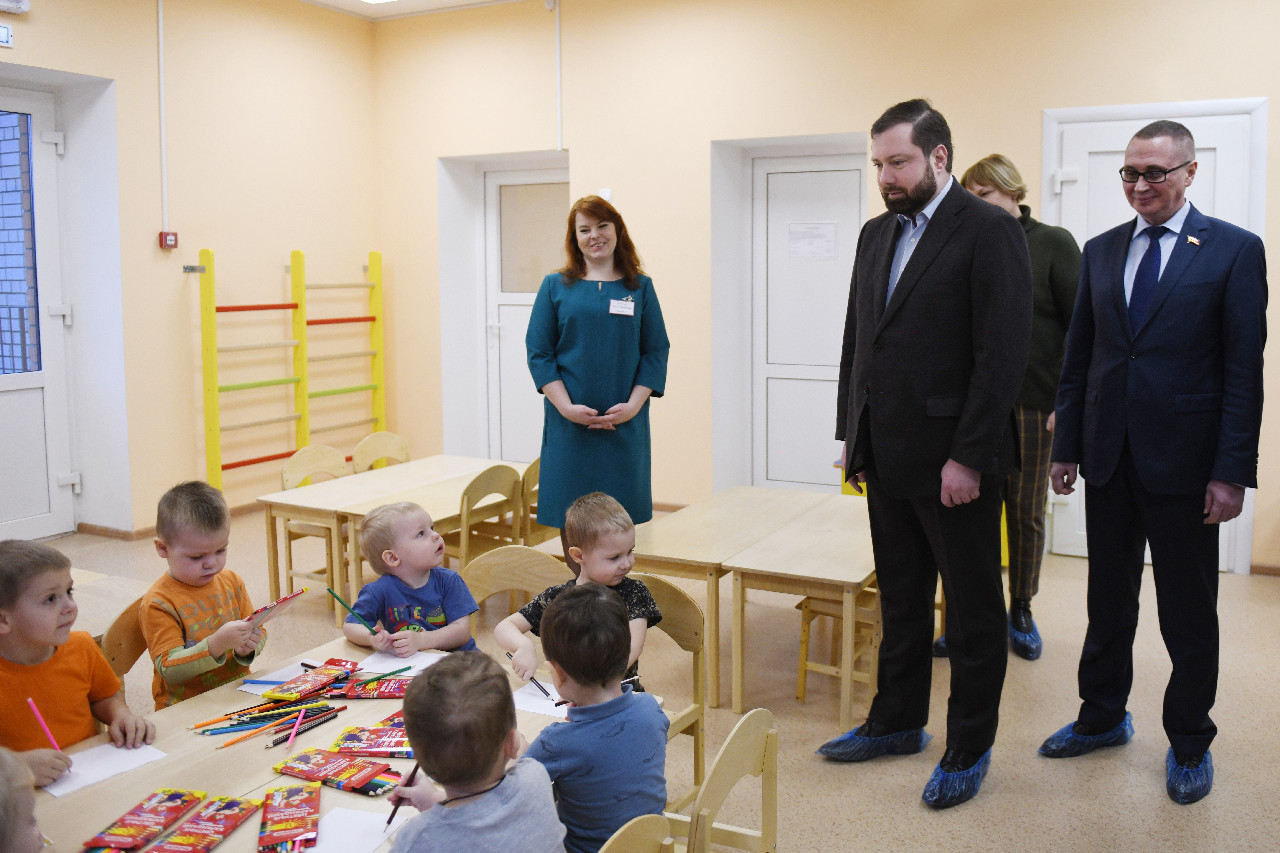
(577, 335)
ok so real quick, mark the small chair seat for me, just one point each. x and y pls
(866, 643)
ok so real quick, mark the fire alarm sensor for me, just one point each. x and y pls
(168, 239)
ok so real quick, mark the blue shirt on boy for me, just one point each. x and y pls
(444, 598)
(607, 765)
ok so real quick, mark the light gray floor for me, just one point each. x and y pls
(1113, 800)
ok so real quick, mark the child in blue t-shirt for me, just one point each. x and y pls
(416, 603)
(608, 763)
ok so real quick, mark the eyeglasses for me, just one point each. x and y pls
(1151, 176)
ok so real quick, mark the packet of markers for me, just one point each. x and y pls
(200, 833)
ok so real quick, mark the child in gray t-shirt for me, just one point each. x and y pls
(461, 722)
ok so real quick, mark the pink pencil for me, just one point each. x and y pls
(43, 724)
(294, 733)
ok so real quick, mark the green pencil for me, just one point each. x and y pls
(338, 599)
(384, 675)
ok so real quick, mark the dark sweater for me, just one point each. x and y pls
(1055, 275)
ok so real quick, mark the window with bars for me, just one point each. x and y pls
(19, 315)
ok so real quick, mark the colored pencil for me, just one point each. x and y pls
(248, 735)
(261, 681)
(310, 714)
(338, 599)
(407, 783)
(39, 719)
(384, 675)
(535, 682)
(294, 733)
(301, 706)
(306, 726)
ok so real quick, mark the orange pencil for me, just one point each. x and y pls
(256, 708)
(248, 735)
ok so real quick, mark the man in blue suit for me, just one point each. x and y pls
(1159, 408)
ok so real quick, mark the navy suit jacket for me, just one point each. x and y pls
(1185, 387)
(939, 365)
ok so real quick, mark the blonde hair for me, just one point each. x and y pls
(193, 505)
(21, 562)
(378, 531)
(996, 170)
(592, 515)
(14, 776)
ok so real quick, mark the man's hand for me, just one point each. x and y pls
(1222, 501)
(960, 484)
(858, 478)
(1062, 476)
(1053, 418)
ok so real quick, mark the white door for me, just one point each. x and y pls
(1092, 200)
(35, 453)
(806, 215)
(525, 216)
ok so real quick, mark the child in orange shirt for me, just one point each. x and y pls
(194, 616)
(62, 671)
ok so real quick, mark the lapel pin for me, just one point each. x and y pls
(1192, 240)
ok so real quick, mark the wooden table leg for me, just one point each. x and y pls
(847, 634)
(273, 555)
(739, 618)
(353, 573)
(711, 631)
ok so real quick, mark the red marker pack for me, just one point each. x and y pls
(381, 742)
(137, 827)
(385, 688)
(312, 681)
(209, 826)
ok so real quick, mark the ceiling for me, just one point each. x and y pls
(399, 8)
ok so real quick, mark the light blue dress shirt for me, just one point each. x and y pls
(1139, 242)
(912, 230)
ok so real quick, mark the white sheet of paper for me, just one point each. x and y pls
(101, 762)
(530, 698)
(388, 662)
(279, 675)
(353, 831)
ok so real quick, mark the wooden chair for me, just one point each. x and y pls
(683, 622)
(123, 642)
(513, 567)
(648, 833)
(868, 629)
(531, 532)
(377, 447)
(485, 524)
(308, 463)
(750, 750)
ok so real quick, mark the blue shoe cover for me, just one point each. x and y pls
(1066, 743)
(854, 747)
(940, 647)
(945, 790)
(1026, 646)
(1185, 785)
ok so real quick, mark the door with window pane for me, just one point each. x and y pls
(525, 216)
(35, 451)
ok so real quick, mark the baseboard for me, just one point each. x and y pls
(1263, 569)
(147, 532)
(663, 507)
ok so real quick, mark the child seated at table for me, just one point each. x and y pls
(461, 720)
(19, 832)
(195, 616)
(608, 762)
(602, 541)
(416, 603)
(62, 671)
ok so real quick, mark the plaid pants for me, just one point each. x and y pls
(1024, 497)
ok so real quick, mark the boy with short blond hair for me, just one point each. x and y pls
(461, 720)
(62, 671)
(195, 616)
(608, 762)
(416, 603)
(601, 540)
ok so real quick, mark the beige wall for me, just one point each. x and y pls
(296, 127)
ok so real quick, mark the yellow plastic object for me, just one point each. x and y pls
(209, 360)
(298, 294)
(377, 366)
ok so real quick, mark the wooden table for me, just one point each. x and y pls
(191, 761)
(826, 552)
(101, 598)
(330, 502)
(696, 541)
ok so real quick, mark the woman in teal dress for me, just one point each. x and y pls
(597, 351)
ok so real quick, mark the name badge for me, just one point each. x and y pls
(622, 307)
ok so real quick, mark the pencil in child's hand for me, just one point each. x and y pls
(534, 681)
(407, 783)
(39, 719)
(338, 599)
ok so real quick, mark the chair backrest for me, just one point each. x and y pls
(529, 495)
(513, 567)
(648, 833)
(377, 446)
(306, 462)
(123, 643)
(683, 622)
(750, 750)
